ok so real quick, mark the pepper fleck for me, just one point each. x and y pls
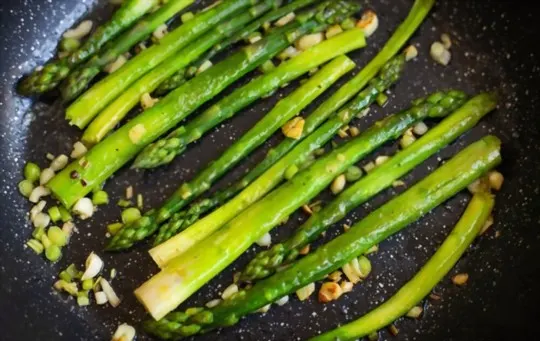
(83, 182)
(74, 174)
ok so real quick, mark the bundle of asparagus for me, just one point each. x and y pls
(281, 113)
(399, 212)
(223, 246)
(389, 74)
(87, 106)
(48, 77)
(109, 117)
(118, 148)
(182, 75)
(382, 177)
(473, 220)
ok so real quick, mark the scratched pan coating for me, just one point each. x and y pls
(495, 48)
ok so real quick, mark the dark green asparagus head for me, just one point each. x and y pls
(44, 79)
(316, 19)
(133, 233)
(441, 103)
(77, 82)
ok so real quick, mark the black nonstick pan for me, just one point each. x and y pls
(495, 48)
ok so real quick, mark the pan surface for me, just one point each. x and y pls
(495, 48)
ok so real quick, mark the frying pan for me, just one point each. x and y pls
(495, 48)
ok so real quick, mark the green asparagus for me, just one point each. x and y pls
(389, 74)
(118, 148)
(377, 180)
(163, 292)
(148, 224)
(181, 220)
(119, 108)
(163, 253)
(238, 234)
(47, 78)
(284, 110)
(180, 77)
(455, 245)
(79, 79)
(88, 105)
(165, 150)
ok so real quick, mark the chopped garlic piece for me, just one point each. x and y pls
(118, 63)
(369, 22)
(265, 240)
(160, 32)
(124, 332)
(79, 149)
(411, 52)
(229, 291)
(440, 54)
(309, 40)
(305, 292)
(285, 19)
(84, 208)
(294, 128)
(94, 265)
(82, 30)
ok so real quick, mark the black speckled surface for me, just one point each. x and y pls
(495, 47)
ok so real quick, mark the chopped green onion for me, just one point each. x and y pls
(57, 236)
(87, 284)
(353, 173)
(140, 201)
(35, 245)
(382, 99)
(69, 44)
(72, 271)
(69, 287)
(131, 214)
(64, 213)
(32, 172)
(291, 171)
(45, 241)
(100, 198)
(83, 300)
(364, 265)
(64, 275)
(53, 253)
(123, 203)
(39, 232)
(26, 187)
(114, 228)
(187, 17)
(54, 213)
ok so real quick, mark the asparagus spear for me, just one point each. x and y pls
(78, 79)
(148, 224)
(284, 110)
(163, 253)
(162, 292)
(48, 77)
(180, 76)
(455, 245)
(238, 234)
(379, 179)
(118, 148)
(181, 220)
(86, 107)
(119, 108)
